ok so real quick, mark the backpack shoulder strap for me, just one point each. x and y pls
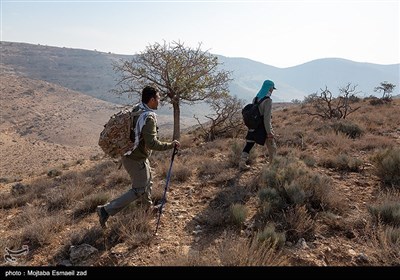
(135, 113)
(261, 100)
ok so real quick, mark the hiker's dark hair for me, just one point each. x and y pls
(147, 93)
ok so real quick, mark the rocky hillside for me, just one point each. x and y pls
(44, 125)
(329, 199)
(91, 72)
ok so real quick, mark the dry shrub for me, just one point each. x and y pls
(286, 151)
(329, 223)
(209, 168)
(388, 241)
(54, 173)
(299, 224)
(41, 230)
(68, 193)
(270, 237)
(321, 195)
(387, 212)
(181, 172)
(30, 194)
(89, 204)
(342, 162)
(372, 142)
(238, 214)
(162, 167)
(27, 216)
(348, 128)
(235, 153)
(157, 191)
(60, 198)
(252, 252)
(291, 137)
(282, 171)
(379, 119)
(97, 174)
(182, 167)
(270, 201)
(382, 233)
(308, 159)
(229, 196)
(384, 243)
(92, 236)
(118, 178)
(187, 141)
(132, 226)
(334, 143)
(387, 164)
(227, 178)
(295, 184)
(218, 145)
(387, 208)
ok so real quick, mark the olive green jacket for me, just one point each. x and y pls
(148, 141)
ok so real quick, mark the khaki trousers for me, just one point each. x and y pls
(141, 178)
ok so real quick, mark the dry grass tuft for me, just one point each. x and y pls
(250, 252)
(387, 164)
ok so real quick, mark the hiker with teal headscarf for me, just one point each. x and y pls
(263, 134)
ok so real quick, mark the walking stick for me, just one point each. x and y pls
(166, 187)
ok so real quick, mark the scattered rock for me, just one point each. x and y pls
(119, 249)
(65, 263)
(19, 189)
(80, 253)
(352, 252)
(362, 258)
(302, 244)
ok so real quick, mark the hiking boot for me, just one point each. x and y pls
(103, 216)
(243, 162)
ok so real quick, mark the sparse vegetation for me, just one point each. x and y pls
(387, 164)
(321, 191)
(238, 214)
(386, 88)
(324, 105)
(226, 120)
(330, 199)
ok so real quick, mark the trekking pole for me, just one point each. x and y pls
(166, 187)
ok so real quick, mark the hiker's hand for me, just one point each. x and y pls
(176, 144)
(270, 135)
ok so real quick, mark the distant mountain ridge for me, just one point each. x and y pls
(91, 72)
(299, 81)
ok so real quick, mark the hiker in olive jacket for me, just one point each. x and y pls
(264, 134)
(136, 161)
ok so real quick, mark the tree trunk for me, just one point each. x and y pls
(177, 124)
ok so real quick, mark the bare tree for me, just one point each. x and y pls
(325, 106)
(386, 88)
(343, 106)
(226, 120)
(182, 74)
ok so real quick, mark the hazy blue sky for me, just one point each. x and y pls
(278, 33)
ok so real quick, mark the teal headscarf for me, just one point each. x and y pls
(264, 91)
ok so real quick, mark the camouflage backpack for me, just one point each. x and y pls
(115, 139)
